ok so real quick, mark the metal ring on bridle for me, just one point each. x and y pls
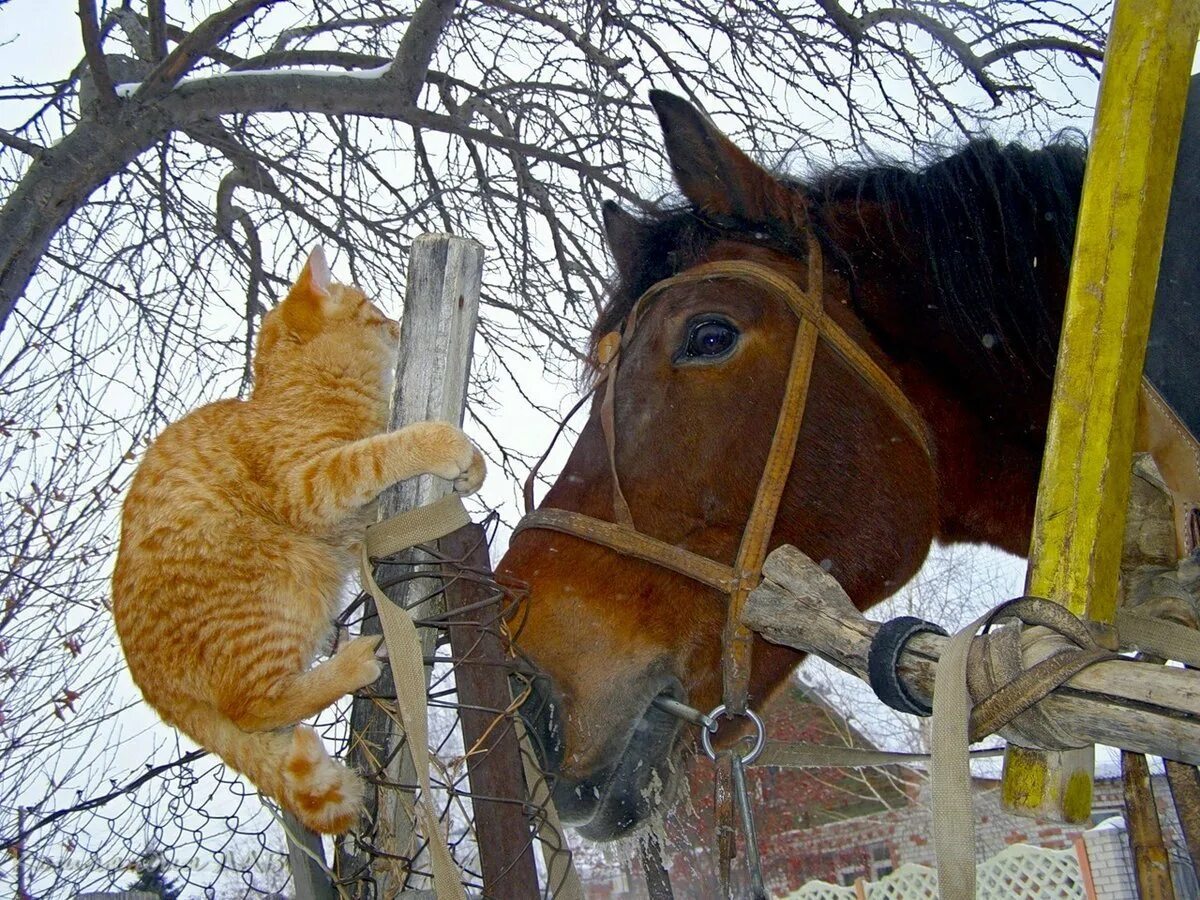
(760, 738)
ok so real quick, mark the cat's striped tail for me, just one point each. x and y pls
(291, 765)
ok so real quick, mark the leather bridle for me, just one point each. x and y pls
(738, 580)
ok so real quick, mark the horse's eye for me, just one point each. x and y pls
(710, 338)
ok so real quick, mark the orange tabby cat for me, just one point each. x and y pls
(239, 531)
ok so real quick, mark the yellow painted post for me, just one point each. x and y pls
(1075, 551)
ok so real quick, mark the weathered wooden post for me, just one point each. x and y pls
(1075, 551)
(502, 828)
(441, 306)
(1124, 703)
(306, 858)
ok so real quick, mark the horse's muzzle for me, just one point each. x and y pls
(637, 780)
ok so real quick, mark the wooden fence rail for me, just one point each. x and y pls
(1136, 705)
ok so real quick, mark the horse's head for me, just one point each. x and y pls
(692, 408)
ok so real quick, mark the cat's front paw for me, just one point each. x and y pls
(362, 665)
(472, 477)
(449, 454)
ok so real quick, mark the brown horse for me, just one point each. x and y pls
(950, 278)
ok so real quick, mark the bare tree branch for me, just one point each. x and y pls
(94, 53)
(8, 139)
(96, 151)
(407, 73)
(137, 33)
(181, 60)
(228, 214)
(158, 29)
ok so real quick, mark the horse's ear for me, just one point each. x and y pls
(625, 233)
(713, 173)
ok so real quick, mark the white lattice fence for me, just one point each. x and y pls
(1023, 872)
(909, 882)
(1019, 872)
(823, 890)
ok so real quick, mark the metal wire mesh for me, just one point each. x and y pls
(392, 855)
(189, 826)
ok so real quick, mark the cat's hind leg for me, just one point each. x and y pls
(292, 698)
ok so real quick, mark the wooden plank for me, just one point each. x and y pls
(306, 857)
(1151, 864)
(1075, 550)
(1085, 867)
(441, 307)
(1151, 546)
(502, 830)
(1185, 794)
(1137, 705)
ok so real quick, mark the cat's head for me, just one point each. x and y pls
(325, 320)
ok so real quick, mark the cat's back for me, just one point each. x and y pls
(193, 494)
(204, 555)
(201, 472)
(198, 522)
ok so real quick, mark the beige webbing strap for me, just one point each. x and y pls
(1021, 666)
(1011, 709)
(421, 526)
(562, 880)
(953, 725)
(1158, 637)
(418, 526)
(953, 817)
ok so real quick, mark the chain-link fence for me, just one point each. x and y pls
(489, 792)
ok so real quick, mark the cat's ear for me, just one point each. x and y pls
(317, 270)
(304, 307)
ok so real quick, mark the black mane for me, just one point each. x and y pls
(973, 249)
